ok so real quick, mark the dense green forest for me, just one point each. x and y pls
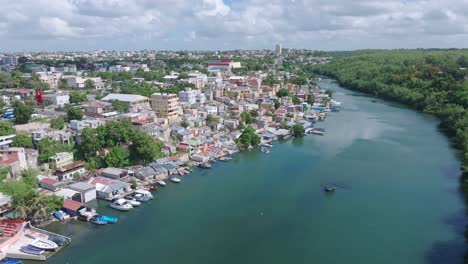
(432, 81)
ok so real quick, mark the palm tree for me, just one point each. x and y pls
(21, 211)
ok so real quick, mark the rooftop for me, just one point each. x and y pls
(124, 97)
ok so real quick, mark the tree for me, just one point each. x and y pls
(145, 148)
(77, 97)
(22, 140)
(184, 123)
(29, 177)
(57, 123)
(329, 92)
(283, 92)
(22, 112)
(296, 100)
(89, 84)
(133, 184)
(248, 138)
(277, 103)
(247, 118)
(6, 128)
(298, 130)
(74, 113)
(310, 99)
(119, 106)
(117, 157)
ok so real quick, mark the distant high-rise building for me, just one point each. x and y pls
(10, 60)
(278, 49)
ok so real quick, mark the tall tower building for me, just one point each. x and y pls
(278, 49)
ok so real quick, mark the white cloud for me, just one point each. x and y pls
(324, 24)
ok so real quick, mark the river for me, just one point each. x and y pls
(396, 201)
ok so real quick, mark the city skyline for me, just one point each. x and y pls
(85, 25)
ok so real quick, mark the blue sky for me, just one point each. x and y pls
(231, 24)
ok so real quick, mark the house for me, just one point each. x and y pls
(88, 191)
(49, 184)
(60, 159)
(69, 171)
(160, 173)
(134, 101)
(72, 207)
(200, 158)
(145, 173)
(5, 204)
(69, 194)
(97, 108)
(107, 188)
(113, 173)
(57, 99)
(80, 82)
(15, 154)
(62, 137)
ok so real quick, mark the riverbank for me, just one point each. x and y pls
(388, 162)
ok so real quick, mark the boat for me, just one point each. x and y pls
(316, 132)
(265, 150)
(329, 188)
(11, 261)
(32, 250)
(109, 219)
(121, 205)
(162, 183)
(145, 193)
(266, 145)
(60, 215)
(86, 213)
(43, 244)
(225, 158)
(132, 200)
(205, 165)
(98, 220)
(175, 180)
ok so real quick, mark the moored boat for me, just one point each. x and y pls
(145, 193)
(205, 165)
(121, 205)
(225, 158)
(109, 219)
(132, 200)
(162, 183)
(43, 244)
(98, 220)
(11, 261)
(329, 188)
(265, 150)
(175, 180)
(32, 250)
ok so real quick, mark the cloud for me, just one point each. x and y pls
(214, 24)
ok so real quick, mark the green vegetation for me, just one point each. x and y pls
(47, 148)
(296, 100)
(283, 92)
(298, 130)
(6, 128)
(27, 203)
(77, 97)
(248, 138)
(247, 118)
(142, 147)
(22, 140)
(74, 113)
(57, 123)
(22, 112)
(89, 84)
(277, 103)
(117, 157)
(119, 106)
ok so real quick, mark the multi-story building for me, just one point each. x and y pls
(165, 105)
(134, 101)
(80, 82)
(10, 60)
(192, 97)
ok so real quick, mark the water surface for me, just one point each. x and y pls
(396, 201)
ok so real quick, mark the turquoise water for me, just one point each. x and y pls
(396, 201)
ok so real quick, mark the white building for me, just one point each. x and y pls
(10, 60)
(57, 99)
(198, 79)
(79, 82)
(192, 97)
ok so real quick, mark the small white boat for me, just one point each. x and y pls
(162, 183)
(132, 201)
(121, 205)
(175, 179)
(145, 193)
(43, 244)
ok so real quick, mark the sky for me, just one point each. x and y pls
(79, 25)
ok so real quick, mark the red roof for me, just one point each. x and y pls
(73, 205)
(49, 181)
